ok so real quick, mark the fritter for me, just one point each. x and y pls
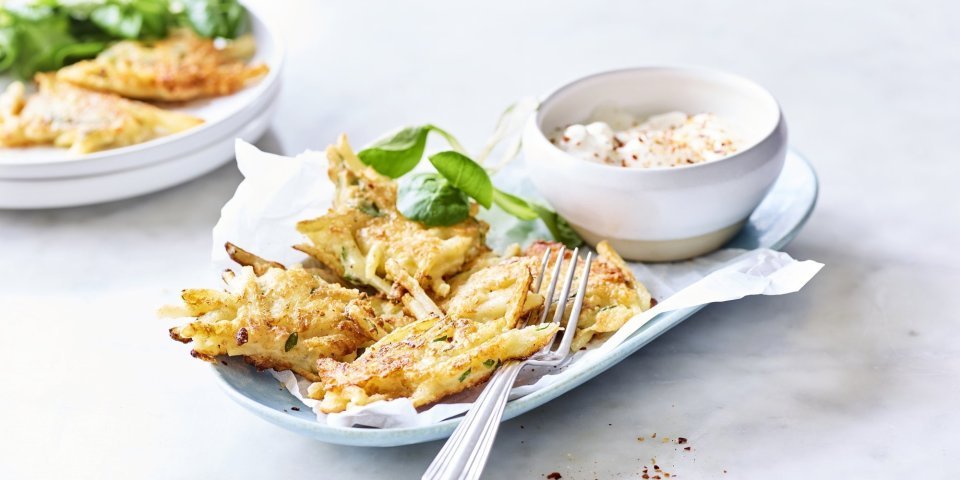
(426, 361)
(82, 120)
(500, 290)
(364, 229)
(438, 356)
(613, 296)
(183, 66)
(284, 319)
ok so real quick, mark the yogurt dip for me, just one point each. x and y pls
(674, 139)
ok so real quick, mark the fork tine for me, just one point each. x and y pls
(571, 328)
(565, 289)
(543, 269)
(562, 303)
(548, 297)
(538, 281)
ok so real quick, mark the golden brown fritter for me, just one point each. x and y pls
(259, 264)
(181, 67)
(438, 356)
(285, 319)
(358, 186)
(613, 297)
(364, 229)
(425, 361)
(493, 291)
(82, 120)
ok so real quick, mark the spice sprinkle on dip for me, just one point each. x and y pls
(674, 139)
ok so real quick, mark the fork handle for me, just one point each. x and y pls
(465, 453)
(453, 443)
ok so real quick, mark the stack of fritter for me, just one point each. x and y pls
(389, 308)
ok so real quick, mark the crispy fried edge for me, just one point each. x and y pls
(245, 258)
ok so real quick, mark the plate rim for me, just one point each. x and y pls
(375, 437)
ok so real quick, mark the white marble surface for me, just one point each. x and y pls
(856, 377)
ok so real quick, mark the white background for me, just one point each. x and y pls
(858, 376)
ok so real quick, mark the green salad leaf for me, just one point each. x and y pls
(430, 199)
(8, 38)
(45, 35)
(38, 36)
(449, 138)
(466, 175)
(215, 18)
(443, 198)
(524, 210)
(134, 19)
(395, 155)
(120, 21)
(78, 51)
(514, 205)
(559, 228)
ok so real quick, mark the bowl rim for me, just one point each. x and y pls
(535, 120)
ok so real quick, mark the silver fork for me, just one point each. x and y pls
(465, 453)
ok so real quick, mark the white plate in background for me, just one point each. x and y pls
(226, 118)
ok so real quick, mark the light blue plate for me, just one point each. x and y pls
(775, 222)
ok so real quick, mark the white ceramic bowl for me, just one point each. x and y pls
(669, 213)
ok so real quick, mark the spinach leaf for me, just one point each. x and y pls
(444, 199)
(215, 18)
(8, 47)
(121, 21)
(429, 199)
(39, 36)
(397, 154)
(524, 210)
(514, 205)
(235, 17)
(30, 12)
(465, 174)
(449, 138)
(45, 35)
(559, 228)
(78, 51)
(157, 17)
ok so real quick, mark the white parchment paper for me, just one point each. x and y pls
(279, 191)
